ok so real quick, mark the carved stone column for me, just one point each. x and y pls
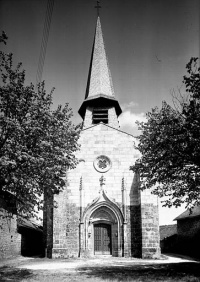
(81, 231)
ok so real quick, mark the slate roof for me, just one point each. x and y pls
(99, 78)
(99, 90)
(167, 231)
(187, 214)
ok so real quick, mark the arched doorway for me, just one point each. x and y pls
(103, 225)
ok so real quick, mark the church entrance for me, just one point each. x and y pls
(103, 227)
(102, 239)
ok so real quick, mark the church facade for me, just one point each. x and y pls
(102, 211)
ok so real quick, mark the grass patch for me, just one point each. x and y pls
(13, 274)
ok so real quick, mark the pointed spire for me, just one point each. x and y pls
(99, 78)
(99, 90)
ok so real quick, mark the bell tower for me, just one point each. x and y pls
(100, 104)
(101, 210)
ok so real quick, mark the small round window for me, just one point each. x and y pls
(102, 163)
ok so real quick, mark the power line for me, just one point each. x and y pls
(45, 37)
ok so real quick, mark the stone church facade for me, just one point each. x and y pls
(102, 211)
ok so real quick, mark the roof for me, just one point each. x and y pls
(27, 224)
(99, 78)
(195, 212)
(99, 90)
(167, 231)
(100, 100)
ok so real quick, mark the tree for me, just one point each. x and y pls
(3, 37)
(37, 144)
(170, 146)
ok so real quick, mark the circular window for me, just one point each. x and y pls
(102, 163)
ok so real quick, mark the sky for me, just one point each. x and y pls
(148, 44)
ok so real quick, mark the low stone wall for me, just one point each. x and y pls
(10, 239)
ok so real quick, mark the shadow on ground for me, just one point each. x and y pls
(152, 272)
(13, 274)
(168, 272)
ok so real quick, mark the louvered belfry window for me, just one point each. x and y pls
(100, 115)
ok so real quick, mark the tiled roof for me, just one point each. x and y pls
(195, 212)
(167, 231)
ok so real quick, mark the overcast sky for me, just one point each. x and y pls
(148, 44)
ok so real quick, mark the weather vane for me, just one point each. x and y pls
(98, 7)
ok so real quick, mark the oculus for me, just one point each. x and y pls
(102, 163)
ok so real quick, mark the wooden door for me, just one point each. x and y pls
(102, 239)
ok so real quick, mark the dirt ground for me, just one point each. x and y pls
(99, 269)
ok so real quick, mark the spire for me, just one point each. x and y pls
(99, 78)
(99, 90)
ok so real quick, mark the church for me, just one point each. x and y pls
(102, 210)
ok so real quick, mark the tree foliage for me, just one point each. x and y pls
(170, 146)
(3, 37)
(37, 144)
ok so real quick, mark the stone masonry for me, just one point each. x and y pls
(102, 210)
(138, 233)
(10, 239)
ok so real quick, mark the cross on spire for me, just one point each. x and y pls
(98, 7)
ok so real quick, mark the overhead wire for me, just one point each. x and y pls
(45, 37)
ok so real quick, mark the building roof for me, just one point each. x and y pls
(195, 212)
(99, 78)
(28, 224)
(167, 231)
(99, 90)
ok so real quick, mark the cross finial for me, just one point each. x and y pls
(98, 7)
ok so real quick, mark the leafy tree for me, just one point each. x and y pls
(3, 37)
(37, 144)
(170, 146)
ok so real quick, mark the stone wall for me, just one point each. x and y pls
(112, 118)
(88, 117)
(150, 225)
(134, 232)
(121, 188)
(10, 239)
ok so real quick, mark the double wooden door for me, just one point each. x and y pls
(102, 239)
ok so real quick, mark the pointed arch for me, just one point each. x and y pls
(103, 201)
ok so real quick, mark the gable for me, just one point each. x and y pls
(107, 127)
